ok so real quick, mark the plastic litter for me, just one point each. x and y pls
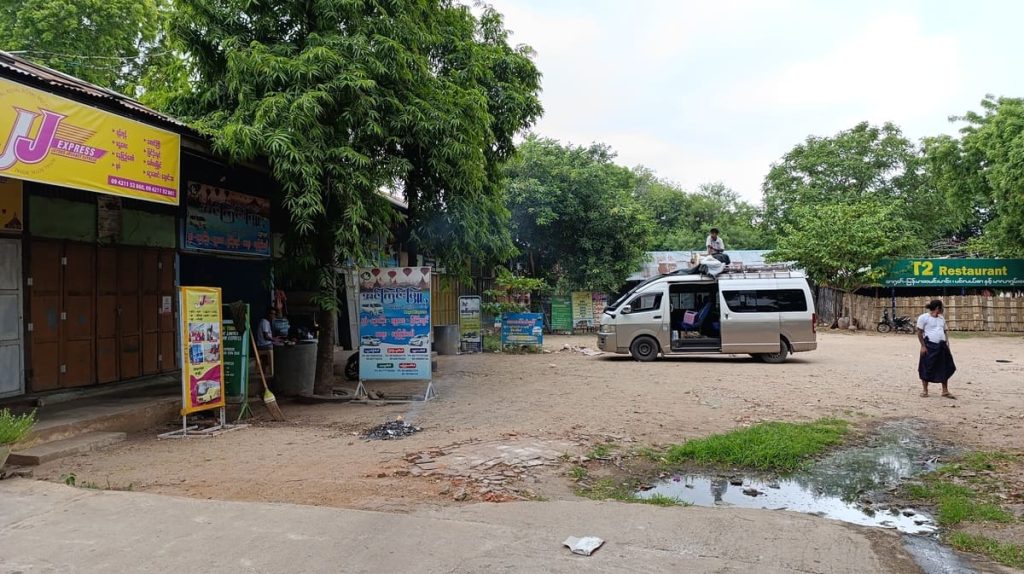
(584, 546)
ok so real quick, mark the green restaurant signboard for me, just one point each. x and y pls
(954, 273)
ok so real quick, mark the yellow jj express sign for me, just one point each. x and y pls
(53, 140)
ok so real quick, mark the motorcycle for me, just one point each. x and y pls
(899, 324)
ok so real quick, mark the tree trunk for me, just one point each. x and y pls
(324, 383)
(327, 315)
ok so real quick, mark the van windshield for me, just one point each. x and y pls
(621, 300)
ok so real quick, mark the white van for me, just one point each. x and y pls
(767, 313)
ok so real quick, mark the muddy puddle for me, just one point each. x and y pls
(853, 485)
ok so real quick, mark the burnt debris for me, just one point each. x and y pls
(391, 430)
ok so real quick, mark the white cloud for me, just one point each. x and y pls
(891, 70)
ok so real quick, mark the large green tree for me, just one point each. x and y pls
(863, 163)
(347, 97)
(840, 244)
(682, 220)
(105, 42)
(981, 173)
(575, 216)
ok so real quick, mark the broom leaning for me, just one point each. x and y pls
(269, 400)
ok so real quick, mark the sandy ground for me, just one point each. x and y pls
(569, 402)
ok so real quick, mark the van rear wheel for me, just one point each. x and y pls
(776, 358)
(644, 349)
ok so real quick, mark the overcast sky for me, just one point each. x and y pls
(717, 90)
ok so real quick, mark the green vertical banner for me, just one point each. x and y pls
(236, 357)
(561, 314)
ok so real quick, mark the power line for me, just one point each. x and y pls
(86, 57)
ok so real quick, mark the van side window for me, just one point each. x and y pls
(766, 301)
(791, 300)
(741, 301)
(647, 302)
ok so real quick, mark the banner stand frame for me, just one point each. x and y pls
(187, 431)
(363, 397)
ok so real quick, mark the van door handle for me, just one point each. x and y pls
(656, 317)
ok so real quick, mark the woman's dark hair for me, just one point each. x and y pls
(714, 230)
(935, 304)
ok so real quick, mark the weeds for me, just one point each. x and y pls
(603, 450)
(71, 479)
(610, 489)
(577, 473)
(1007, 554)
(774, 446)
(14, 427)
(955, 503)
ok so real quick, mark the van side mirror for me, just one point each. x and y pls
(627, 310)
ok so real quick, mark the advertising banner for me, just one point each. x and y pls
(600, 302)
(201, 334)
(582, 309)
(470, 338)
(561, 314)
(954, 273)
(54, 140)
(522, 329)
(226, 221)
(236, 356)
(12, 210)
(394, 324)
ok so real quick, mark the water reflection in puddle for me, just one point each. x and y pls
(844, 486)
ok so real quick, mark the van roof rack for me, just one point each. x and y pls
(763, 271)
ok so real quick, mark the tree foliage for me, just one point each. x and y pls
(682, 220)
(863, 163)
(840, 244)
(346, 97)
(981, 173)
(575, 218)
(105, 42)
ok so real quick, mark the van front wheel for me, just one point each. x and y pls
(644, 349)
(775, 358)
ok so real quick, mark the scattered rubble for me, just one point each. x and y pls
(580, 350)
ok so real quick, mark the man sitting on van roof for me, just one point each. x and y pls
(714, 243)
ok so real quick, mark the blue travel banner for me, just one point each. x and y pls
(523, 329)
(394, 324)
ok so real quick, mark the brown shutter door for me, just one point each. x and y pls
(129, 301)
(106, 315)
(79, 334)
(45, 300)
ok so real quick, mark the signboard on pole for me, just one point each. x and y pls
(394, 323)
(470, 338)
(582, 309)
(202, 377)
(954, 273)
(561, 314)
(236, 356)
(522, 329)
(54, 140)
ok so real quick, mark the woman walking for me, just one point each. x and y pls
(936, 363)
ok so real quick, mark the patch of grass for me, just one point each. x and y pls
(602, 450)
(1007, 554)
(14, 427)
(651, 454)
(662, 500)
(956, 503)
(610, 489)
(775, 446)
(577, 473)
(979, 462)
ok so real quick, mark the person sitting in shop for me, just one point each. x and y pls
(265, 338)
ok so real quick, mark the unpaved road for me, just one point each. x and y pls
(564, 401)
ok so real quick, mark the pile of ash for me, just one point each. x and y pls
(391, 430)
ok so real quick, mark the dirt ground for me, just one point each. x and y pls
(503, 423)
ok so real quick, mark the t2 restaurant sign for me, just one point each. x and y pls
(954, 273)
(394, 324)
(53, 140)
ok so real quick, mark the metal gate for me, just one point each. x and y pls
(12, 379)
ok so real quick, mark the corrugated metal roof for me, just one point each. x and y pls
(14, 66)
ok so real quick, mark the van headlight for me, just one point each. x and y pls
(608, 329)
